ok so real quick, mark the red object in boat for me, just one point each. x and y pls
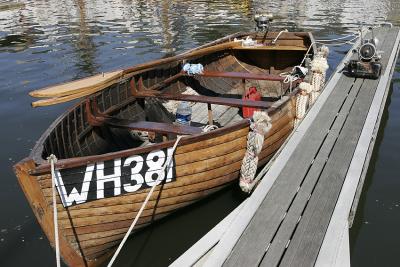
(250, 94)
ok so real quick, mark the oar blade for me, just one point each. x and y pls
(78, 86)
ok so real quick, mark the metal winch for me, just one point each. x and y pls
(367, 65)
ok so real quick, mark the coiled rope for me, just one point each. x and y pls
(159, 180)
(53, 159)
(259, 127)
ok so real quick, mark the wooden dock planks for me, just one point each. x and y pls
(310, 233)
(289, 226)
(277, 248)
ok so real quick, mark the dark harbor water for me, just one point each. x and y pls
(47, 42)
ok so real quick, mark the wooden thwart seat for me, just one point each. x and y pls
(159, 127)
(217, 74)
(226, 101)
(273, 48)
(97, 119)
(241, 75)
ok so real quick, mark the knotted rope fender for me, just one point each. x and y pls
(259, 127)
(302, 101)
(318, 67)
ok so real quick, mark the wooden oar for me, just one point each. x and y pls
(77, 86)
(83, 87)
(66, 98)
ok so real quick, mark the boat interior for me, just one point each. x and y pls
(140, 110)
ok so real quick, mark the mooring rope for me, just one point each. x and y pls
(167, 163)
(209, 128)
(354, 34)
(53, 159)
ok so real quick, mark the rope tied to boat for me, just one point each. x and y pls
(259, 127)
(53, 160)
(157, 182)
(209, 128)
(289, 78)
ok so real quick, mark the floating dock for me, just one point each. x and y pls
(301, 212)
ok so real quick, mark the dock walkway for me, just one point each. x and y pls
(299, 213)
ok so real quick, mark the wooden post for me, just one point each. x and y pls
(210, 115)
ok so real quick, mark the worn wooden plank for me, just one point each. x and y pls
(281, 239)
(228, 116)
(303, 248)
(159, 127)
(262, 228)
(217, 100)
(273, 48)
(242, 75)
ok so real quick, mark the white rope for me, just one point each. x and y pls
(209, 128)
(322, 42)
(167, 163)
(279, 34)
(357, 34)
(243, 66)
(289, 78)
(255, 139)
(53, 159)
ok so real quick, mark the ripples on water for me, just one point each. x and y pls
(46, 42)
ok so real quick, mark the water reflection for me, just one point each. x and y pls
(83, 43)
(43, 42)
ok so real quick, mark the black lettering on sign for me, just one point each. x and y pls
(114, 177)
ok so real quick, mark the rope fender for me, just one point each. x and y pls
(309, 92)
(259, 127)
(302, 101)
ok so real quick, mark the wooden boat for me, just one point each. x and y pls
(104, 170)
